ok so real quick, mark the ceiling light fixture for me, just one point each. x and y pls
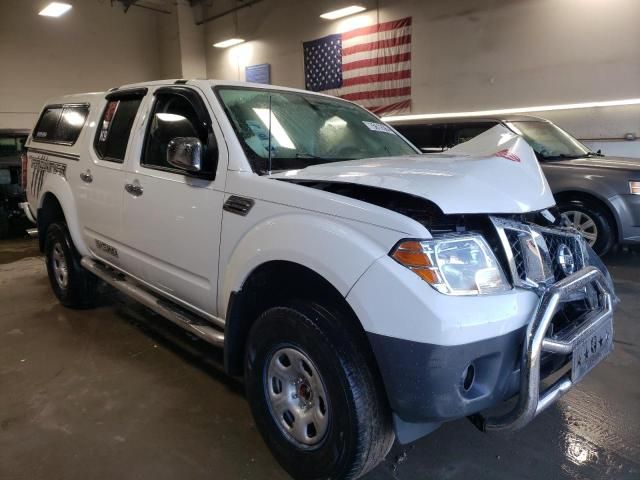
(507, 111)
(229, 43)
(342, 12)
(55, 9)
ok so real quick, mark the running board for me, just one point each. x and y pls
(169, 310)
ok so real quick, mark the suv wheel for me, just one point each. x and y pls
(313, 396)
(73, 285)
(593, 223)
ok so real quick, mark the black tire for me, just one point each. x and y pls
(606, 232)
(358, 432)
(79, 290)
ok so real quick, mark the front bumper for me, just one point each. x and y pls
(424, 381)
(537, 341)
(627, 210)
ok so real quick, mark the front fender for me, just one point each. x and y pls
(337, 249)
(60, 189)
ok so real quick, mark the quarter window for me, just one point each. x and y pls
(115, 127)
(46, 127)
(61, 124)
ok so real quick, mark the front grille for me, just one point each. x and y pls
(515, 244)
(573, 242)
(536, 254)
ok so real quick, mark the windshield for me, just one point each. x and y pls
(548, 141)
(305, 129)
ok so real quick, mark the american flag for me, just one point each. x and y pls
(369, 65)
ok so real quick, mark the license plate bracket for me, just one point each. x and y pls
(591, 349)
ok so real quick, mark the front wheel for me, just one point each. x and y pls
(314, 398)
(592, 222)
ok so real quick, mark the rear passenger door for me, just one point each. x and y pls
(172, 218)
(100, 190)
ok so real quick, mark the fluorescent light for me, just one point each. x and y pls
(229, 43)
(342, 12)
(507, 111)
(55, 9)
(277, 130)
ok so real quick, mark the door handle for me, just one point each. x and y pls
(86, 176)
(134, 189)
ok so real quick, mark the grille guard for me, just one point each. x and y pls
(530, 400)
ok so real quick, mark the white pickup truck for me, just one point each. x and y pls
(363, 290)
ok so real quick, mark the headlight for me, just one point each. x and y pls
(454, 264)
(634, 186)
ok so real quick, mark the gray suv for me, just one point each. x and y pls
(599, 195)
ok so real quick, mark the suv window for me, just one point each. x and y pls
(115, 127)
(463, 132)
(428, 138)
(12, 146)
(61, 124)
(173, 116)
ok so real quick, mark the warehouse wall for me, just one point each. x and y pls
(469, 54)
(93, 47)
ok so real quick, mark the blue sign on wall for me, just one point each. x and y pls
(258, 73)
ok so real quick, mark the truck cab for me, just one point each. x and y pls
(363, 291)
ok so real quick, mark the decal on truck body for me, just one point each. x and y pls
(106, 248)
(41, 166)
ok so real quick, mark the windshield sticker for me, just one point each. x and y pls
(508, 155)
(378, 127)
(109, 113)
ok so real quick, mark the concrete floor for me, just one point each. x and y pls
(117, 392)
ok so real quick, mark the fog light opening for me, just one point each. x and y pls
(468, 377)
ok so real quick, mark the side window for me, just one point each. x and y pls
(61, 124)
(115, 125)
(71, 123)
(46, 126)
(464, 132)
(173, 116)
(428, 138)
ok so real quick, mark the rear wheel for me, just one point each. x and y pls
(315, 400)
(593, 223)
(74, 286)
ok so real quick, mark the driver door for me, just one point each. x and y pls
(172, 218)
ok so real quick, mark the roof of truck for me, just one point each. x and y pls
(203, 83)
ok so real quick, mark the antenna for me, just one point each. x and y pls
(269, 157)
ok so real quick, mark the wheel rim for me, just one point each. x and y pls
(297, 397)
(60, 268)
(584, 224)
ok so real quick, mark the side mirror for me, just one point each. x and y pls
(185, 153)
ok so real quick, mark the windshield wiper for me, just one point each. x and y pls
(562, 156)
(309, 156)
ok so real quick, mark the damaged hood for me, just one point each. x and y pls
(496, 172)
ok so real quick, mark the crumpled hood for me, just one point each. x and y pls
(501, 176)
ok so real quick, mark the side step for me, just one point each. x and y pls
(169, 310)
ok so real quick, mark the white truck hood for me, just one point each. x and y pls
(496, 172)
